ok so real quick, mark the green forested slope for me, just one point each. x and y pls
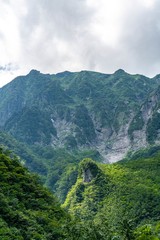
(117, 201)
(124, 197)
(57, 168)
(27, 210)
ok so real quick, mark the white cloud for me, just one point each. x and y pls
(58, 35)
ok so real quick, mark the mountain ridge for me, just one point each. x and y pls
(78, 110)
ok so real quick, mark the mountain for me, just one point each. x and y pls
(52, 122)
(121, 199)
(109, 113)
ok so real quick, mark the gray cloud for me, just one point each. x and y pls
(52, 32)
(141, 38)
(8, 67)
(57, 35)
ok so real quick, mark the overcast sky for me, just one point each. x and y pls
(100, 35)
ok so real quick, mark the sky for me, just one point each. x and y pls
(98, 35)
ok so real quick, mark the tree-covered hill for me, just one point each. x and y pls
(123, 197)
(117, 201)
(57, 168)
(27, 210)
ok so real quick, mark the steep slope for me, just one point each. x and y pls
(122, 197)
(27, 210)
(75, 111)
(29, 158)
(57, 168)
(119, 201)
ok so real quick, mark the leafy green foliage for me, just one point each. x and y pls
(88, 164)
(28, 156)
(84, 197)
(31, 126)
(58, 168)
(27, 210)
(62, 167)
(125, 195)
(143, 153)
(148, 232)
(121, 201)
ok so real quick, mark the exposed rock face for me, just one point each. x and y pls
(88, 170)
(87, 175)
(113, 146)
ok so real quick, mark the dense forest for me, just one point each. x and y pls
(118, 201)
